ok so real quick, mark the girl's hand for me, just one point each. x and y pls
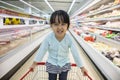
(84, 71)
(33, 66)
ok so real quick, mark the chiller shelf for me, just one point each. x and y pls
(111, 71)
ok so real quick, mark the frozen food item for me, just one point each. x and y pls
(117, 37)
(7, 21)
(92, 30)
(115, 54)
(83, 34)
(108, 56)
(116, 61)
(115, 24)
(110, 35)
(112, 54)
(23, 33)
(4, 42)
(5, 39)
(115, 13)
(15, 21)
(104, 34)
(15, 36)
(101, 46)
(85, 28)
(116, 1)
(77, 31)
(101, 32)
(91, 38)
(88, 37)
(91, 23)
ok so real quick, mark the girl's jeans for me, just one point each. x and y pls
(62, 76)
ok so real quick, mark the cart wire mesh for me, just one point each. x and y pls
(40, 73)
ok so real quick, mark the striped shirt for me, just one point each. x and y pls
(57, 69)
(58, 52)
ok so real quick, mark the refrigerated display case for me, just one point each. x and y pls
(103, 23)
(18, 39)
(17, 28)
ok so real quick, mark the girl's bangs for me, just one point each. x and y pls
(58, 19)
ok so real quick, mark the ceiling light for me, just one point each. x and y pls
(88, 6)
(73, 2)
(32, 6)
(11, 5)
(49, 5)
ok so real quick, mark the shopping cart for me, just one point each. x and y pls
(40, 73)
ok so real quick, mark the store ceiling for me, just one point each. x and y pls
(41, 5)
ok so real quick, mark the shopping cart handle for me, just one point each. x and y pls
(73, 65)
(26, 73)
(41, 63)
(87, 75)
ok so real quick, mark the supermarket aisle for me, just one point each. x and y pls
(99, 19)
(90, 67)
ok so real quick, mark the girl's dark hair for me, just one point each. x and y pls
(60, 16)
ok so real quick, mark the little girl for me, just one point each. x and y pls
(58, 44)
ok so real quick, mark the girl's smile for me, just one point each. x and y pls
(59, 31)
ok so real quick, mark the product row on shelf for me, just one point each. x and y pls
(114, 26)
(109, 12)
(104, 8)
(8, 18)
(7, 35)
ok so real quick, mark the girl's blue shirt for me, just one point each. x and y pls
(58, 51)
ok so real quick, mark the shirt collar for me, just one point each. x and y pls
(57, 40)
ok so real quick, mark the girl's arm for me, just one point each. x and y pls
(76, 57)
(40, 53)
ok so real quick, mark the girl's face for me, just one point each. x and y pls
(59, 29)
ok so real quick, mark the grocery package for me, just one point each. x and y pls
(88, 37)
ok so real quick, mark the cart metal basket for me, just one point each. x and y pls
(41, 74)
